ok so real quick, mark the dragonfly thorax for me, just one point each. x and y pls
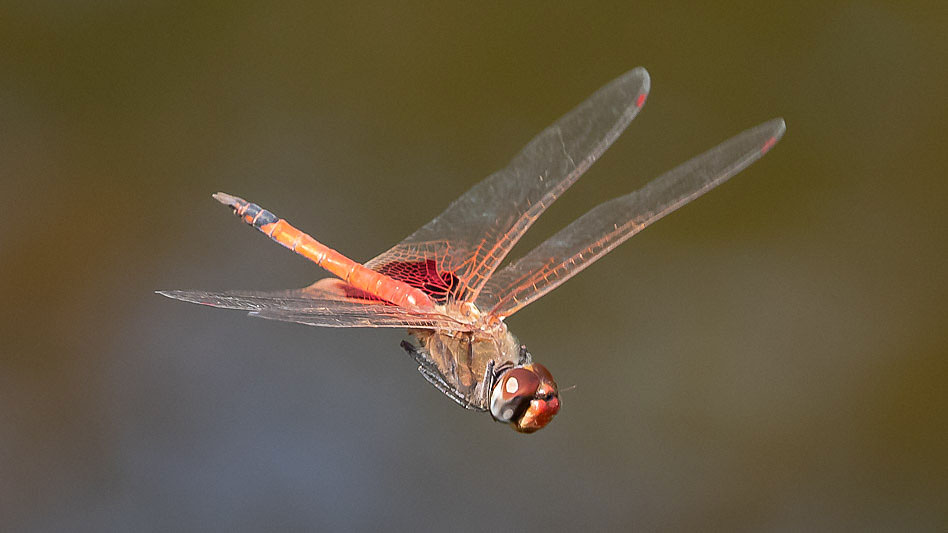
(486, 324)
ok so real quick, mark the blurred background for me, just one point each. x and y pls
(772, 356)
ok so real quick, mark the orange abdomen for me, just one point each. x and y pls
(352, 272)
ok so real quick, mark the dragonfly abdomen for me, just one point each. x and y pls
(352, 272)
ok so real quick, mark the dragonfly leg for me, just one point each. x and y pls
(433, 376)
(487, 383)
(446, 389)
(525, 357)
(415, 354)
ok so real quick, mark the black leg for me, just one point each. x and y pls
(488, 383)
(433, 376)
(414, 353)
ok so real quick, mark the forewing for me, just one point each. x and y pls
(329, 302)
(459, 250)
(606, 226)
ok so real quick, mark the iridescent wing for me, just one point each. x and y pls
(455, 254)
(606, 226)
(328, 302)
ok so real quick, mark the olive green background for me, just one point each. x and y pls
(772, 356)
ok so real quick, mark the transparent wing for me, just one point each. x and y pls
(328, 302)
(461, 248)
(606, 226)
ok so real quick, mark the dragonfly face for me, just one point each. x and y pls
(444, 282)
(525, 397)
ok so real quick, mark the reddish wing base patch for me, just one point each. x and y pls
(351, 292)
(424, 275)
(340, 289)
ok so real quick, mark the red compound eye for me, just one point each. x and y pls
(543, 373)
(512, 394)
(520, 382)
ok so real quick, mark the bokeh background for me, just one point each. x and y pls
(772, 356)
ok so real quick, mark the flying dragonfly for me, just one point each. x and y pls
(443, 282)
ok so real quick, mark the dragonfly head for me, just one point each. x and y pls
(525, 397)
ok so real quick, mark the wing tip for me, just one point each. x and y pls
(642, 73)
(775, 128)
(175, 295)
(645, 84)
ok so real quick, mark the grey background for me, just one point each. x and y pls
(770, 357)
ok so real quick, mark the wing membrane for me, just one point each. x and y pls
(328, 303)
(474, 234)
(606, 226)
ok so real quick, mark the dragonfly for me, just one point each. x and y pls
(443, 283)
